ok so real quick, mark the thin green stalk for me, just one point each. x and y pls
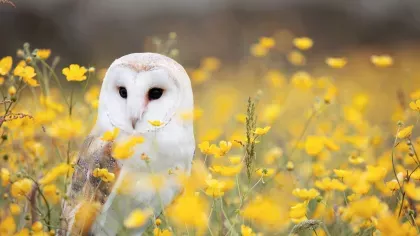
(209, 218)
(224, 213)
(40, 75)
(54, 75)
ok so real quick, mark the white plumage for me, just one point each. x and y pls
(169, 146)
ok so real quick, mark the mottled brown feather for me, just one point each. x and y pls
(84, 187)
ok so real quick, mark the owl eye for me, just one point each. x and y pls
(155, 93)
(123, 92)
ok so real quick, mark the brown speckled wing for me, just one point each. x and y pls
(85, 190)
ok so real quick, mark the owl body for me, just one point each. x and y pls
(167, 152)
(154, 88)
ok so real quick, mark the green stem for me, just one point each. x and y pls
(54, 75)
(209, 219)
(224, 213)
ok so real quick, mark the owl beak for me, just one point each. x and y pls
(134, 122)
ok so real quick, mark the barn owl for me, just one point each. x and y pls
(137, 88)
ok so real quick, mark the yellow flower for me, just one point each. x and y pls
(303, 43)
(392, 185)
(7, 226)
(27, 73)
(305, 194)
(52, 193)
(416, 174)
(270, 113)
(328, 184)
(302, 80)
(190, 210)
(412, 191)
(35, 149)
(262, 131)
(23, 232)
(246, 231)
(415, 105)
(206, 148)
(314, 145)
(45, 117)
(92, 96)
(358, 185)
(158, 222)
(124, 150)
(75, 73)
(267, 42)
(5, 65)
(257, 50)
(226, 170)
(110, 136)
(5, 177)
(330, 94)
(319, 170)
(103, 174)
(265, 172)
(415, 95)
(406, 132)
(137, 218)
(11, 91)
(210, 64)
(390, 225)
(199, 76)
(21, 188)
(275, 78)
(214, 187)
(1, 80)
(241, 118)
(155, 122)
(43, 53)
(367, 207)
(235, 159)
(353, 197)
(342, 173)
(296, 58)
(160, 232)
(60, 170)
(330, 144)
(382, 60)
(336, 62)
(37, 226)
(66, 129)
(86, 215)
(224, 148)
(15, 209)
(266, 212)
(297, 212)
(375, 173)
(48, 103)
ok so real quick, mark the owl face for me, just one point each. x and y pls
(143, 87)
(131, 98)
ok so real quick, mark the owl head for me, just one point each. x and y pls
(142, 87)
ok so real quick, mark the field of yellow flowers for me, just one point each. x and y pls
(285, 146)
